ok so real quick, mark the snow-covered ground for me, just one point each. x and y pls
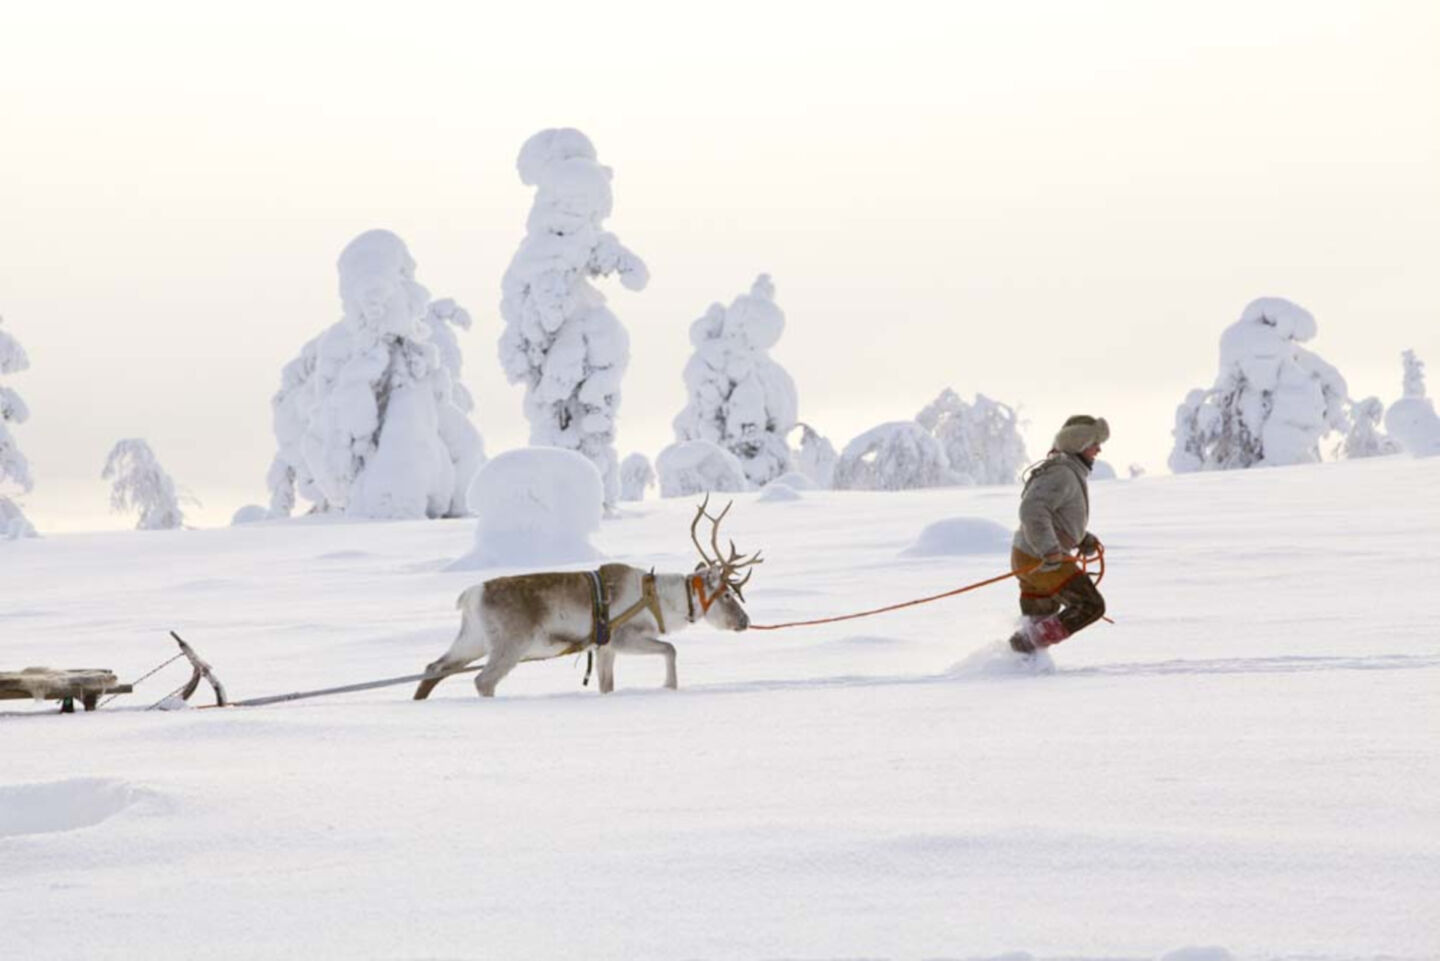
(1246, 764)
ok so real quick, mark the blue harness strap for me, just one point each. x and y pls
(601, 610)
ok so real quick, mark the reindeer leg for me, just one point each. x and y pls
(640, 644)
(499, 664)
(605, 667)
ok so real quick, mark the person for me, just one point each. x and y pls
(1056, 598)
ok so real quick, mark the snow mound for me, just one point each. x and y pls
(796, 481)
(1102, 471)
(699, 467)
(1198, 954)
(536, 505)
(249, 514)
(997, 660)
(62, 805)
(776, 492)
(1412, 421)
(960, 535)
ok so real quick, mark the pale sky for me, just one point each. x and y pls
(1060, 205)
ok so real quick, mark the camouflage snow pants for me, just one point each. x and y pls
(1042, 593)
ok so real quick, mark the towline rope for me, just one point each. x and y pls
(1082, 562)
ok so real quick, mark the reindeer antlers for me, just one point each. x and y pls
(728, 565)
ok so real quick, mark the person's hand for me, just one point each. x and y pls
(1053, 561)
(1089, 545)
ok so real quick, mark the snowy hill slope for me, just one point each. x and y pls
(1248, 759)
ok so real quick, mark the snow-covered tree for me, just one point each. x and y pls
(371, 418)
(740, 398)
(14, 468)
(636, 475)
(1365, 438)
(981, 440)
(699, 467)
(1411, 420)
(560, 340)
(1413, 385)
(1271, 403)
(816, 457)
(140, 483)
(899, 455)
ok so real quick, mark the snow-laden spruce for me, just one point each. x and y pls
(1272, 401)
(699, 467)
(981, 440)
(560, 340)
(1365, 438)
(1411, 420)
(739, 397)
(139, 483)
(371, 418)
(900, 455)
(534, 505)
(636, 476)
(14, 468)
(816, 457)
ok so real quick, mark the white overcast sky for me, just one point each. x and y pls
(1057, 204)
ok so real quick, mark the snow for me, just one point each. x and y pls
(1411, 420)
(699, 467)
(370, 418)
(139, 483)
(560, 339)
(14, 467)
(536, 505)
(1272, 401)
(1242, 766)
(636, 477)
(739, 397)
(981, 440)
(961, 535)
(899, 455)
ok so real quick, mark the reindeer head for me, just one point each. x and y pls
(715, 583)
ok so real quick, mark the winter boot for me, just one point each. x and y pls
(1045, 631)
(1021, 644)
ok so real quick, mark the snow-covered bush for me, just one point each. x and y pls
(960, 535)
(699, 467)
(776, 492)
(739, 397)
(14, 468)
(560, 340)
(895, 456)
(981, 440)
(249, 514)
(1365, 438)
(636, 476)
(138, 482)
(535, 505)
(1271, 403)
(796, 481)
(1411, 420)
(371, 418)
(816, 457)
(1137, 470)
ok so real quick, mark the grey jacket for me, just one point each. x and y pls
(1054, 507)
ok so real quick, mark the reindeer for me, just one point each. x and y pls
(532, 617)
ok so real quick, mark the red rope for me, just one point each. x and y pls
(1083, 562)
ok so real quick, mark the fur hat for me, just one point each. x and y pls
(1080, 432)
